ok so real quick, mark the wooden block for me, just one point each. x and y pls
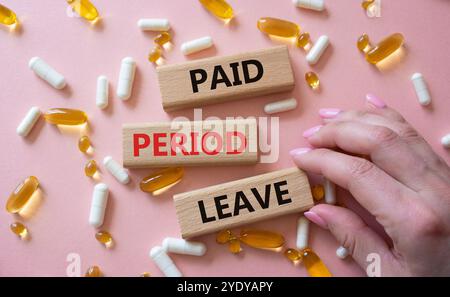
(242, 202)
(219, 79)
(178, 143)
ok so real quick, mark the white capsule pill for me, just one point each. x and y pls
(421, 89)
(330, 191)
(196, 45)
(98, 205)
(446, 141)
(101, 100)
(154, 24)
(47, 73)
(28, 121)
(126, 78)
(318, 5)
(184, 247)
(280, 106)
(164, 262)
(116, 170)
(342, 252)
(318, 49)
(302, 233)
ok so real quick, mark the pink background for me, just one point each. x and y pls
(137, 220)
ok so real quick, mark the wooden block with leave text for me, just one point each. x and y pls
(184, 143)
(219, 79)
(242, 202)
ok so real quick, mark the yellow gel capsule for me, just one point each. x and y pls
(366, 4)
(7, 16)
(314, 264)
(278, 27)
(22, 194)
(262, 239)
(293, 255)
(145, 274)
(364, 43)
(91, 168)
(161, 179)
(84, 143)
(84, 8)
(219, 8)
(19, 229)
(313, 80)
(162, 38)
(303, 40)
(385, 48)
(104, 238)
(224, 236)
(93, 271)
(318, 192)
(155, 54)
(65, 116)
(234, 245)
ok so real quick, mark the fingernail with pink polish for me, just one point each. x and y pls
(299, 151)
(310, 132)
(374, 100)
(316, 219)
(329, 113)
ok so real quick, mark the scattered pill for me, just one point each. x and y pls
(145, 274)
(367, 3)
(302, 233)
(116, 170)
(318, 5)
(278, 27)
(162, 39)
(154, 24)
(363, 43)
(101, 99)
(161, 179)
(234, 245)
(293, 255)
(47, 73)
(90, 169)
(318, 192)
(318, 49)
(421, 89)
(93, 271)
(164, 262)
(65, 116)
(196, 45)
(184, 247)
(262, 239)
(98, 205)
(22, 194)
(446, 141)
(104, 238)
(342, 252)
(219, 8)
(155, 54)
(223, 236)
(19, 229)
(84, 8)
(280, 106)
(313, 264)
(126, 78)
(84, 144)
(330, 191)
(304, 40)
(28, 121)
(385, 48)
(7, 16)
(312, 80)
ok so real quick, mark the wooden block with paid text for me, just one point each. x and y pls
(185, 143)
(219, 79)
(243, 201)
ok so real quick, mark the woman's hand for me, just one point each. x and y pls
(406, 186)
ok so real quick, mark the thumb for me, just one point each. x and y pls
(353, 234)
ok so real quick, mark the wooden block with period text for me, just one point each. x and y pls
(219, 79)
(242, 202)
(185, 143)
